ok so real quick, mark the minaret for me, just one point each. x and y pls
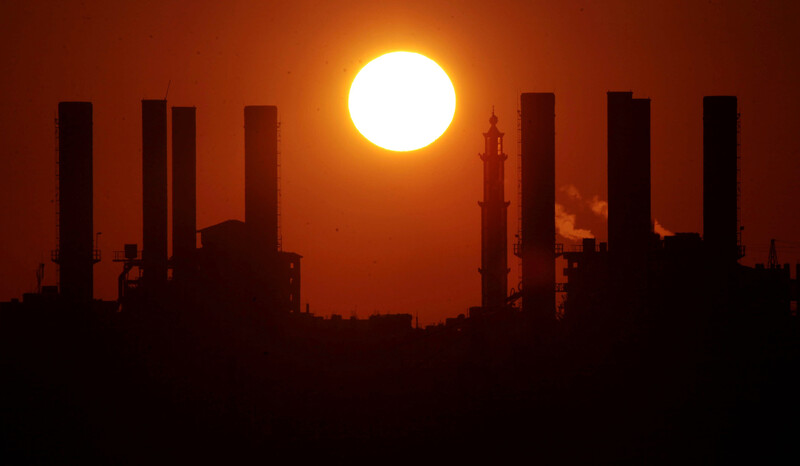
(494, 213)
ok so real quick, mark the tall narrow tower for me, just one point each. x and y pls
(629, 227)
(720, 179)
(494, 213)
(154, 193)
(538, 225)
(629, 180)
(261, 176)
(76, 254)
(184, 202)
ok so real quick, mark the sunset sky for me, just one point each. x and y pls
(378, 230)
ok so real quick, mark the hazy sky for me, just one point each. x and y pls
(382, 231)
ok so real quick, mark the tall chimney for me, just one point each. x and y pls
(628, 174)
(154, 193)
(538, 231)
(494, 217)
(629, 227)
(184, 204)
(261, 176)
(75, 254)
(720, 185)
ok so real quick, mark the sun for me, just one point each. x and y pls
(402, 101)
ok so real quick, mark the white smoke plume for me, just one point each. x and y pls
(599, 207)
(658, 228)
(565, 225)
(565, 222)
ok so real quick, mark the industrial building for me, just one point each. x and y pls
(239, 261)
(636, 276)
(638, 273)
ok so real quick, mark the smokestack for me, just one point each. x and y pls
(628, 174)
(261, 176)
(494, 219)
(184, 204)
(720, 185)
(537, 232)
(76, 253)
(154, 192)
(629, 226)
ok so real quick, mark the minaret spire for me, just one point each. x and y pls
(494, 218)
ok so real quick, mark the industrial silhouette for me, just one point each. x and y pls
(237, 260)
(662, 347)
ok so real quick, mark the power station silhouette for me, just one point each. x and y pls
(660, 347)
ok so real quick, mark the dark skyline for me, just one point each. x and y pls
(595, 308)
(664, 346)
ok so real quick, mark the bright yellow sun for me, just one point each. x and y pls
(402, 101)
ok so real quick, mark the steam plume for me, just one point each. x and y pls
(565, 225)
(572, 192)
(565, 222)
(599, 207)
(658, 228)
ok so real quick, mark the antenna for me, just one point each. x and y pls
(167, 93)
(772, 261)
(39, 277)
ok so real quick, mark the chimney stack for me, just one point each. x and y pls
(261, 176)
(628, 174)
(154, 193)
(720, 178)
(537, 230)
(629, 227)
(76, 253)
(184, 198)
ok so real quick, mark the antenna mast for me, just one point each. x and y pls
(772, 261)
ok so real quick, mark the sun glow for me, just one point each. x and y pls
(402, 101)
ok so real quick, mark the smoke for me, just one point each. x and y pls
(572, 192)
(599, 207)
(565, 222)
(565, 225)
(658, 228)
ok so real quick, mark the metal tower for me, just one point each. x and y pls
(772, 259)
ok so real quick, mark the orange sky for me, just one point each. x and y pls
(382, 231)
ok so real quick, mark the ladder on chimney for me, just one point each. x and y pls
(517, 247)
(280, 241)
